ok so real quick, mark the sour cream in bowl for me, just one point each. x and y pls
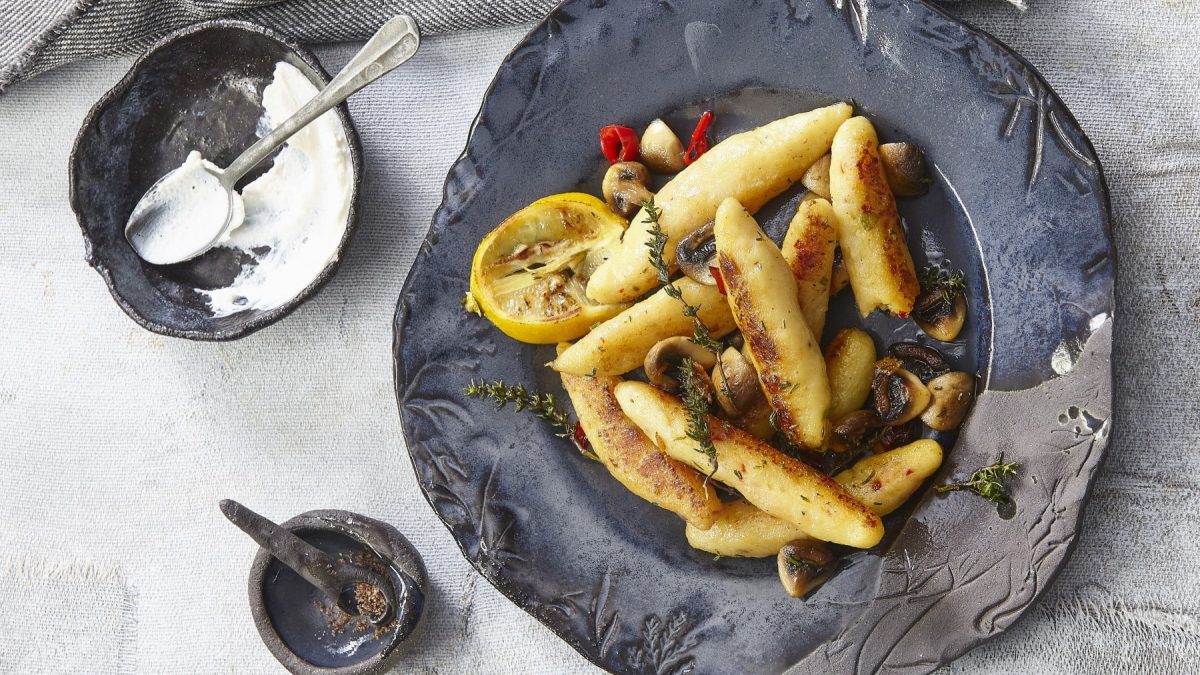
(205, 94)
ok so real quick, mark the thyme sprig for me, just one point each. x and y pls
(543, 406)
(951, 283)
(987, 482)
(658, 242)
(695, 399)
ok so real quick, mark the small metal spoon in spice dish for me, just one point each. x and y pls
(191, 209)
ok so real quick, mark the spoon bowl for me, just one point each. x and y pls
(195, 194)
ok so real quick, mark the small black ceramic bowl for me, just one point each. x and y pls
(197, 89)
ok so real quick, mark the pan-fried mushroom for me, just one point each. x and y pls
(661, 149)
(952, 394)
(903, 434)
(939, 320)
(855, 428)
(804, 564)
(904, 165)
(625, 187)
(665, 356)
(899, 395)
(816, 179)
(697, 255)
(921, 360)
(736, 383)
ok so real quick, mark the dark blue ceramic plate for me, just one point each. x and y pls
(1019, 203)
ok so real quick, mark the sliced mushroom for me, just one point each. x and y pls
(904, 164)
(736, 383)
(839, 278)
(902, 434)
(816, 179)
(952, 396)
(626, 187)
(921, 360)
(899, 395)
(940, 320)
(804, 564)
(855, 428)
(697, 255)
(661, 149)
(666, 355)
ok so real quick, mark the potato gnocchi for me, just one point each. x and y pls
(763, 437)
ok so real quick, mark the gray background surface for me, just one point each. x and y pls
(116, 444)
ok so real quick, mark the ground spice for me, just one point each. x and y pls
(371, 600)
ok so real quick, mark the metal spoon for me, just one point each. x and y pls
(189, 210)
(336, 578)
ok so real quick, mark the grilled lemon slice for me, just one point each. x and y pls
(529, 274)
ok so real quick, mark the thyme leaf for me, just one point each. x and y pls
(987, 482)
(695, 399)
(543, 406)
(657, 244)
(949, 283)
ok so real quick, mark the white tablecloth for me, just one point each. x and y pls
(116, 444)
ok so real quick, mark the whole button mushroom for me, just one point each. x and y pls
(940, 320)
(921, 360)
(904, 165)
(899, 395)
(803, 565)
(853, 429)
(667, 355)
(697, 255)
(952, 394)
(736, 383)
(625, 187)
(661, 149)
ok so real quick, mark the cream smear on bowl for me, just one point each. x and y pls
(297, 212)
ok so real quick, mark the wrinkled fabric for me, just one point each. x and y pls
(37, 35)
(117, 444)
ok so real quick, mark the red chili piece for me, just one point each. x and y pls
(717, 277)
(699, 143)
(618, 143)
(581, 438)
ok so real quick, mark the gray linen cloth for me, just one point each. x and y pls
(116, 444)
(37, 35)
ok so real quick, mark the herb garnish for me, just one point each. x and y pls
(951, 284)
(658, 242)
(987, 482)
(543, 406)
(696, 402)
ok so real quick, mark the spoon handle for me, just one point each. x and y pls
(394, 43)
(307, 560)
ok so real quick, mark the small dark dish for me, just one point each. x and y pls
(197, 89)
(1018, 202)
(297, 622)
